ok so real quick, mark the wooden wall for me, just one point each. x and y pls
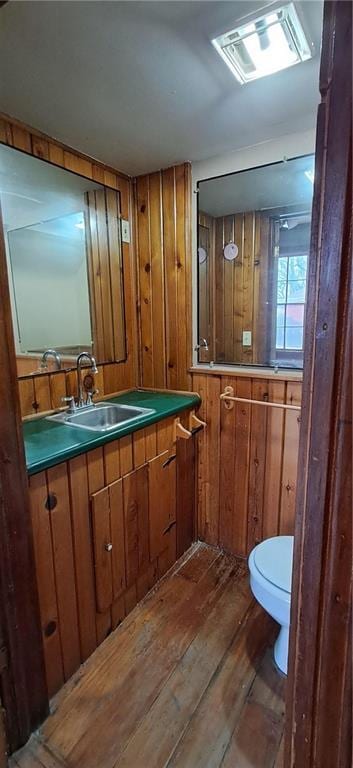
(247, 462)
(247, 457)
(163, 250)
(241, 288)
(42, 390)
(233, 294)
(105, 275)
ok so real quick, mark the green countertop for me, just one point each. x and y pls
(48, 442)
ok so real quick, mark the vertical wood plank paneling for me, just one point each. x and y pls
(136, 522)
(182, 286)
(57, 389)
(126, 457)
(26, 394)
(274, 458)
(162, 502)
(164, 266)
(146, 267)
(228, 292)
(95, 467)
(199, 386)
(42, 392)
(258, 429)
(64, 568)
(238, 285)
(242, 467)
(227, 471)
(247, 462)
(158, 284)
(290, 460)
(43, 551)
(102, 557)
(241, 287)
(111, 462)
(116, 273)
(171, 296)
(211, 487)
(104, 274)
(82, 544)
(248, 281)
(185, 494)
(219, 290)
(139, 448)
(116, 505)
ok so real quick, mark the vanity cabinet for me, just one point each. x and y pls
(106, 526)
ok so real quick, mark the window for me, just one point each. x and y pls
(291, 255)
(291, 291)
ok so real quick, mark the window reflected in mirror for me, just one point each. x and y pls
(63, 249)
(253, 250)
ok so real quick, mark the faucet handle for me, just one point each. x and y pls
(90, 394)
(71, 401)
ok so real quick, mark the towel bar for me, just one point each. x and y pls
(228, 396)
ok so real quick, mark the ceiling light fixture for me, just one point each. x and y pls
(267, 44)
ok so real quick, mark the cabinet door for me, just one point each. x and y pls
(162, 504)
(108, 544)
(135, 489)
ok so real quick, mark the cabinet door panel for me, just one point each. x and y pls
(102, 555)
(135, 491)
(162, 502)
(117, 537)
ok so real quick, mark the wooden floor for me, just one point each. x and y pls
(187, 681)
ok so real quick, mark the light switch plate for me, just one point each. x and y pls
(246, 338)
(125, 231)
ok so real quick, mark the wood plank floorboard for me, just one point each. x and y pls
(186, 681)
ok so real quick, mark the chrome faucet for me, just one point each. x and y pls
(84, 356)
(51, 353)
(203, 344)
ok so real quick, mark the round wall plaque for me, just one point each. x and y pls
(230, 251)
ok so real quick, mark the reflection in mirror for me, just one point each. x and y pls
(253, 247)
(62, 239)
(57, 286)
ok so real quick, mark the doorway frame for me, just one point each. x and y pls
(319, 681)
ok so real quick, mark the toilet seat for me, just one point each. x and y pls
(273, 559)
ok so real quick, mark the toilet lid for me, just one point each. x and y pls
(274, 559)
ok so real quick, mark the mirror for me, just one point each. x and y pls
(62, 240)
(253, 248)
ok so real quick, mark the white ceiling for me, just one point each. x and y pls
(278, 185)
(139, 86)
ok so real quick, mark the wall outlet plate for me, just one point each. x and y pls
(125, 231)
(247, 339)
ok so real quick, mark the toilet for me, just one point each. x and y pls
(270, 565)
